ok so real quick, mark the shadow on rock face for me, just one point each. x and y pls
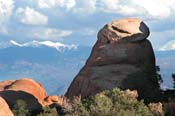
(12, 96)
(146, 87)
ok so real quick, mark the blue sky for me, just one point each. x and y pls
(78, 21)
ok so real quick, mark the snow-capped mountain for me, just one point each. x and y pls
(57, 45)
(168, 46)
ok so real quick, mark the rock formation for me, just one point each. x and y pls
(28, 90)
(4, 108)
(25, 89)
(122, 57)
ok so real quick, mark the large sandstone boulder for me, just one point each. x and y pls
(122, 57)
(24, 89)
(4, 108)
(29, 91)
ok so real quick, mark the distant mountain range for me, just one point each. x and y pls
(52, 64)
(56, 64)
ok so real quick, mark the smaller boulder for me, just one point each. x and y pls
(23, 89)
(29, 86)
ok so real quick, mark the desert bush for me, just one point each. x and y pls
(110, 103)
(47, 111)
(20, 108)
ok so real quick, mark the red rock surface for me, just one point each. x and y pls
(122, 57)
(29, 86)
(4, 108)
(26, 89)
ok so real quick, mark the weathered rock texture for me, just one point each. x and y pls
(4, 108)
(122, 57)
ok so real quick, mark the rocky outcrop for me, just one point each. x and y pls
(4, 108)
(122, 57)
(24, 89)
(27, 90)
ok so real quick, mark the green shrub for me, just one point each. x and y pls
(110, 103)
(20, 108)
(47, 111)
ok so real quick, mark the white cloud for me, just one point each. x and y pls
(144, 8)
(32, 17)
(158, 9)
(6, 9)
(118, 7)
(49, 33)
(109, 5)
(46, 3)
(85, 6)
(56, 3)
(66, 3)
(148, 9)
(154, 8)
